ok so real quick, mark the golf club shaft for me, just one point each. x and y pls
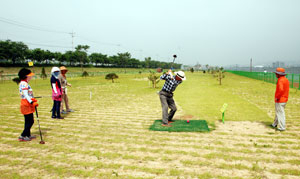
(173, 63)
(37, 116)
(42, 96)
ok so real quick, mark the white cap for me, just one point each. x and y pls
(181, 75)
(54, 69)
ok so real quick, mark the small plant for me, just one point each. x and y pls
(111, 76)
(192, 70)
(43, 74)
(220, 75)
(85, 74)
(154, 79)
(16, 80)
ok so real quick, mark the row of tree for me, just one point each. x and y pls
(18, 52)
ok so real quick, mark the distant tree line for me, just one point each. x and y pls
(17, 53)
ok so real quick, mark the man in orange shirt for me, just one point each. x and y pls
(281, 98)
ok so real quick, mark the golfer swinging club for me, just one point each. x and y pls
(166, 95)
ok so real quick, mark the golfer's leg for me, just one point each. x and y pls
(164, 106)
(31, 121)
(26, 131)
(62, 102)
(54, 109)
(281, 116)
(66, 101)
(58, 108)
(173, 107)
(275, 123)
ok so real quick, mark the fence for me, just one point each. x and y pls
(270, 77)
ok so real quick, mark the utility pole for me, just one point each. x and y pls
(72, 35)
(251, 65)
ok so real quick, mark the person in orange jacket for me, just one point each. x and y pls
(281, 98)
(28, 103)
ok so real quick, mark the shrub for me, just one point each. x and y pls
(154, 79)
(111, 76)
(43, 74)
(85, 74)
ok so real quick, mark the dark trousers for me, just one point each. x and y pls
(56, 109)
(167, 102)
(28, 124)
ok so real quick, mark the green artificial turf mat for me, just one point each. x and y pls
(181, 126)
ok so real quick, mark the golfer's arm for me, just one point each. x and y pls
(25, 93)
(165, 76)
(54, 87)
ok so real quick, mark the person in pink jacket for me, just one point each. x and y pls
(56, 93)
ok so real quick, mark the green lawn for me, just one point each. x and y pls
(202, 97)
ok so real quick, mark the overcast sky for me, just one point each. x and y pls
(214, 32)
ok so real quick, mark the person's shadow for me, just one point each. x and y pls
(267, 124)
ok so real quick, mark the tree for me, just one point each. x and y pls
(154, 79)
(49, 56)
(98, 58)
(147, 62)
(60, 57)
(124, 59)
(81, 54)
(70, 57)
(111, 76)
(197, 66)
(220, 75)
(14, 51)
(207, 67)
(38, 55)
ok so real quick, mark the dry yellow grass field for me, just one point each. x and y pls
(108, 135)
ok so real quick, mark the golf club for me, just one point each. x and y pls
(43, 97)
(37, 116)
(175, 56)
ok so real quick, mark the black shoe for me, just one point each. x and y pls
(273, 126)
(59, 117)
(54, 117)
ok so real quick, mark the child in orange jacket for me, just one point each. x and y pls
(28, 103)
